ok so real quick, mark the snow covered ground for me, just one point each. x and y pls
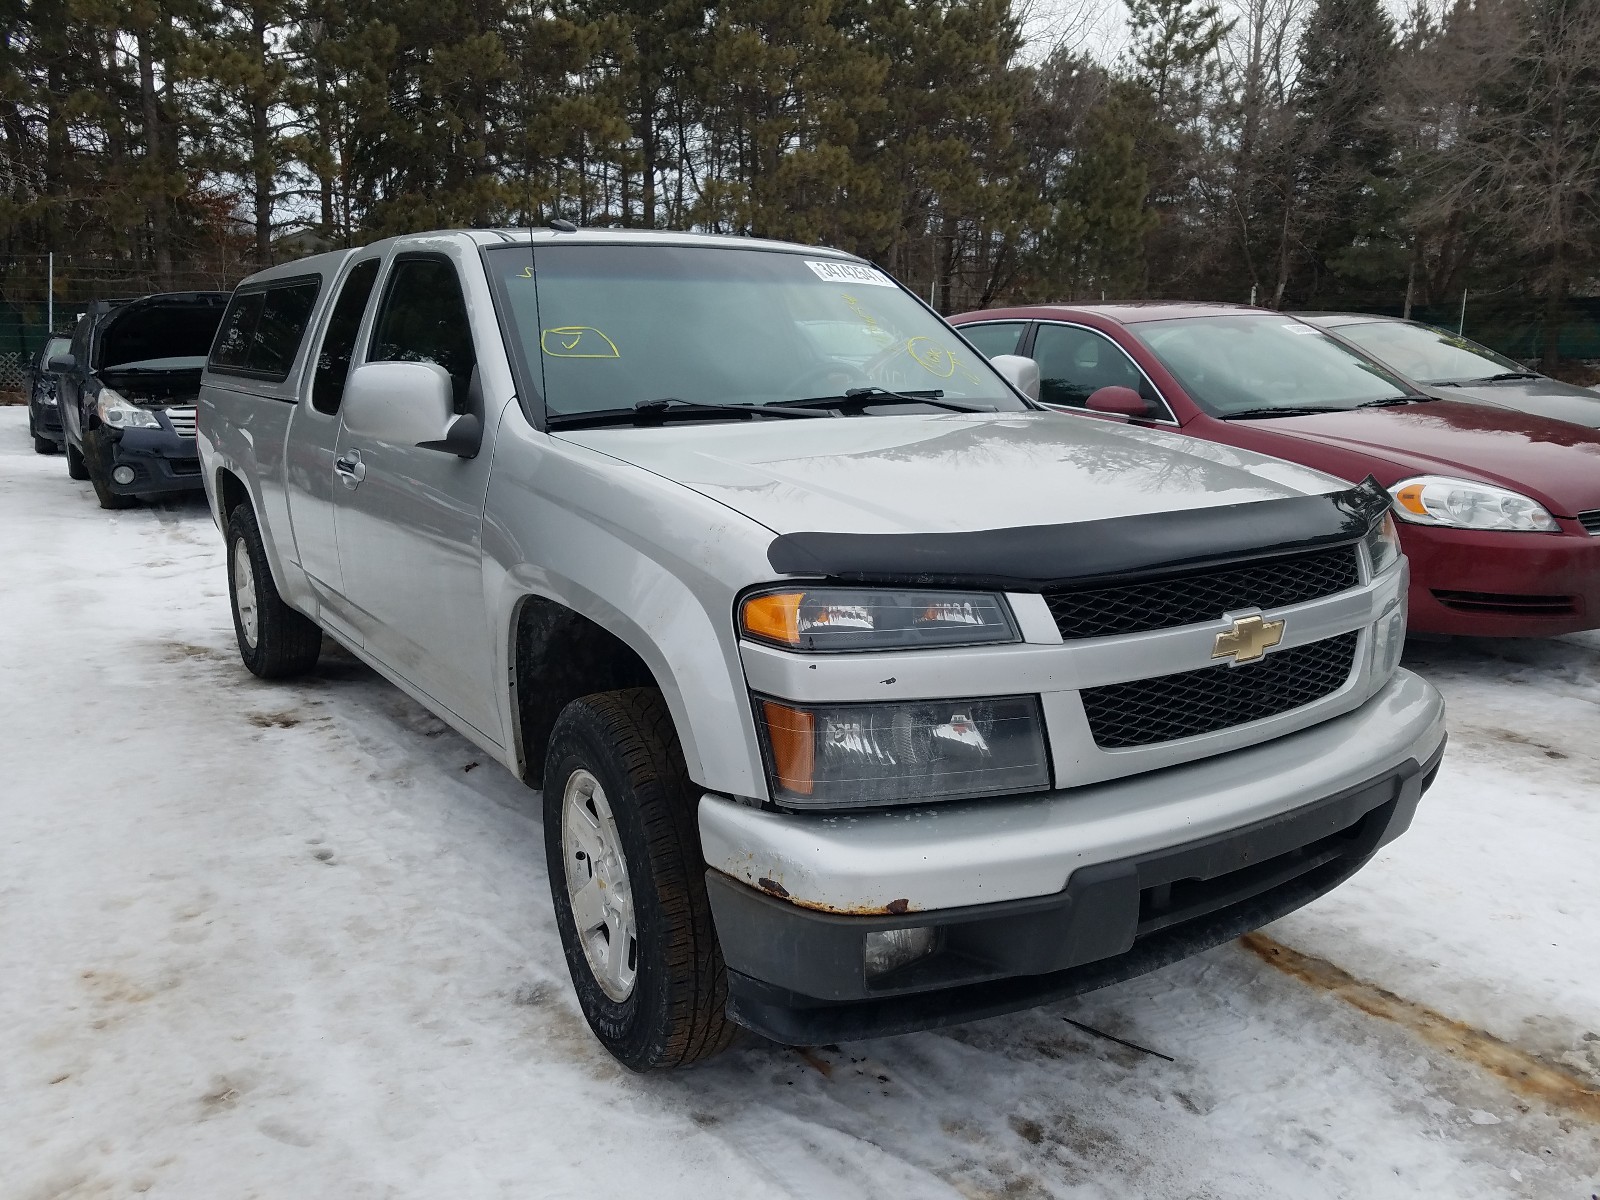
(292, 941)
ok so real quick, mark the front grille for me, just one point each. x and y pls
(182, 420)
(1197, 596)
(1142, 712)
(1507, 605)
(1590, 520)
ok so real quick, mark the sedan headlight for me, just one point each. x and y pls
(119, 413)
(1383, 545)
(1463, 504)
(827, 619)
(844, 755)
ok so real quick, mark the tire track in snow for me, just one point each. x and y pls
(1522, 1072)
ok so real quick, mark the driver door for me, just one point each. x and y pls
(408, 521)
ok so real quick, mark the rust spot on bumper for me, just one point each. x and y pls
(773, 888)
(1522, 1072)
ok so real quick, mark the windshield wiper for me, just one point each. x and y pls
(1504, 376)
(1393, 401)
(1267, 411)
(659, 411)
(855, 399)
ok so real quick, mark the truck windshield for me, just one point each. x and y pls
(1256, 362)
(608, 327)
(1427, 354)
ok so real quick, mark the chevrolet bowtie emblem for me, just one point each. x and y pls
(1248, 640)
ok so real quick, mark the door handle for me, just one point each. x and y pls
(350, 468)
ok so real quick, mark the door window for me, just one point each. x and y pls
(262, 329)
(424, 319)
(339, 342)
(1075, 363)
(994, 337)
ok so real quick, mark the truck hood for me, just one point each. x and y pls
(1542, 397)
(937, 473)
(1554, 462)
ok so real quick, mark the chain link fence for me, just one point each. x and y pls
(26, 282)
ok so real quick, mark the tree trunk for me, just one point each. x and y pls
(261, 147)
(156, 194)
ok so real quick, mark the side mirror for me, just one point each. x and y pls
(61, 364)
(464, 438)
(1118, 401)
(1021, 373)
(402, 403)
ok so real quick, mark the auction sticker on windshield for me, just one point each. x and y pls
(849, 272)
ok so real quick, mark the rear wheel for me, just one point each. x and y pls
(275, 641)
(76, 467)
(628, 880)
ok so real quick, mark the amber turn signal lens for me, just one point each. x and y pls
(1410, 499)
(775, 617)
(792, 735)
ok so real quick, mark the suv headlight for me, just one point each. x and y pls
(832, 619)
(1383, 545)
(120, 413)
(1463, 504)
(845, 755)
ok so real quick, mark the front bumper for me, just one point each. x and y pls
(1484, 584)
(47, 421)
(160, 459)
(1042, 897)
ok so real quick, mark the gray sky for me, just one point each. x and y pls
(1101, 26)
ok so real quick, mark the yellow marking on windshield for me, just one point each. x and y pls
(936, 360)
(577, 341)
(525, 273)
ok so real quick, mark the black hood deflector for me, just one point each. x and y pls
(1033, 558)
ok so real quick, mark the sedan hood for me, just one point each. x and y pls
(1542, 397)
(1554, 462)
(937, 473)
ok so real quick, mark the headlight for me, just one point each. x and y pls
(117, 412)
(1462, 504)
(843, 755)
(824, 619)
(1383, 545)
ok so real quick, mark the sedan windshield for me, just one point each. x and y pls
(1259, 362)
(1427, 354)
(610, 327)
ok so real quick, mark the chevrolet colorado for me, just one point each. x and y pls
(864, 695)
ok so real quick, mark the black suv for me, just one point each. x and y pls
(127, 390)
(44, 412)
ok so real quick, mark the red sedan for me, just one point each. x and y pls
(1499, 511)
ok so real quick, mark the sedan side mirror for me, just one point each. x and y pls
(60, 364)
(1118, 401)
(401, 403)
(1021, 373)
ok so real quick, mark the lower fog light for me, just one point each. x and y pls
(890, 949)
(123, 475)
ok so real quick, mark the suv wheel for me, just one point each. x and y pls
(275, 641)
(76, 467)
(628, 880)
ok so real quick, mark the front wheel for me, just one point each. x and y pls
(77, 468)
(628, 880)
(275, 641)
(43, 445)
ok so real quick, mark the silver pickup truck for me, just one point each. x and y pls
(864, 696)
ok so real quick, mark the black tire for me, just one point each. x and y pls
(42, 445)
(675, 1013)
(76, 467)
(287, 642)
